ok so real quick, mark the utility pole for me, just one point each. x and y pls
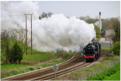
(31, 33)
(100, 22)
(26, 33)
(26, 26)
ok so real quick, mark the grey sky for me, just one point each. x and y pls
(82, 8)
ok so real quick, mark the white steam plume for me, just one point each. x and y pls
(51, 33)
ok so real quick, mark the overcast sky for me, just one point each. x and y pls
(82, 8)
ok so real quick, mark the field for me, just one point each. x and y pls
(38, 57)
(107, 68)
(29, 63)
(36, 60)
(114, 76)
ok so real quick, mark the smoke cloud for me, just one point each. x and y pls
(50, 33)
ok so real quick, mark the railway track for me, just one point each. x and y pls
(61, 72)
(49, 73)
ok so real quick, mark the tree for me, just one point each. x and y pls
(89, 19)
(116, 48)
(16, 54)
(98, 33)
(116, 26)
(10, 50)
(5, 49)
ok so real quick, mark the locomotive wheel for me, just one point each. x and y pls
(96, 56)
(87, 60)
(92, 59)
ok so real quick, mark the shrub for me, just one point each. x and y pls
(13, 72)
(5, 47)
(31, 68)
(116, 48)
(107, 49)
(16, 54)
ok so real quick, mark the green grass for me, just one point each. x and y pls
(38, 57)
(106, 49)
(115, 76)
(12, 66)
(107, 66)
(108, 69)
(30, 62)
(36, 60)
(52, 63)
(13, 69)
(106, 73)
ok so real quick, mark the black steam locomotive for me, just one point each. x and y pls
(92, 51)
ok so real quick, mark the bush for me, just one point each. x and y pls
(116, 48)
(98, 33)
(16, 54)
(5, 48)
(31, 68)
(13, 72)
(107, 49)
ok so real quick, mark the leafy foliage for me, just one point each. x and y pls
(113, 23)
(16, 54)
(116, 25)
(8, 43)
(98, 33)
(116, 48)
(5, 49)
(89, 19)
(63, 54)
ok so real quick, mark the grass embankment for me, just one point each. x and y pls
(115, 76)
(107, 74)
(107, 68)
(36, 60)
(38, 57)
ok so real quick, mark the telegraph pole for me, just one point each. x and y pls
(26, 26)
(100, 22)
(31, 33)
(26, 33)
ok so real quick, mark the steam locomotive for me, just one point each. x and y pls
(92, 51)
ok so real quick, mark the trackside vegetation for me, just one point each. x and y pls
(105, 69)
